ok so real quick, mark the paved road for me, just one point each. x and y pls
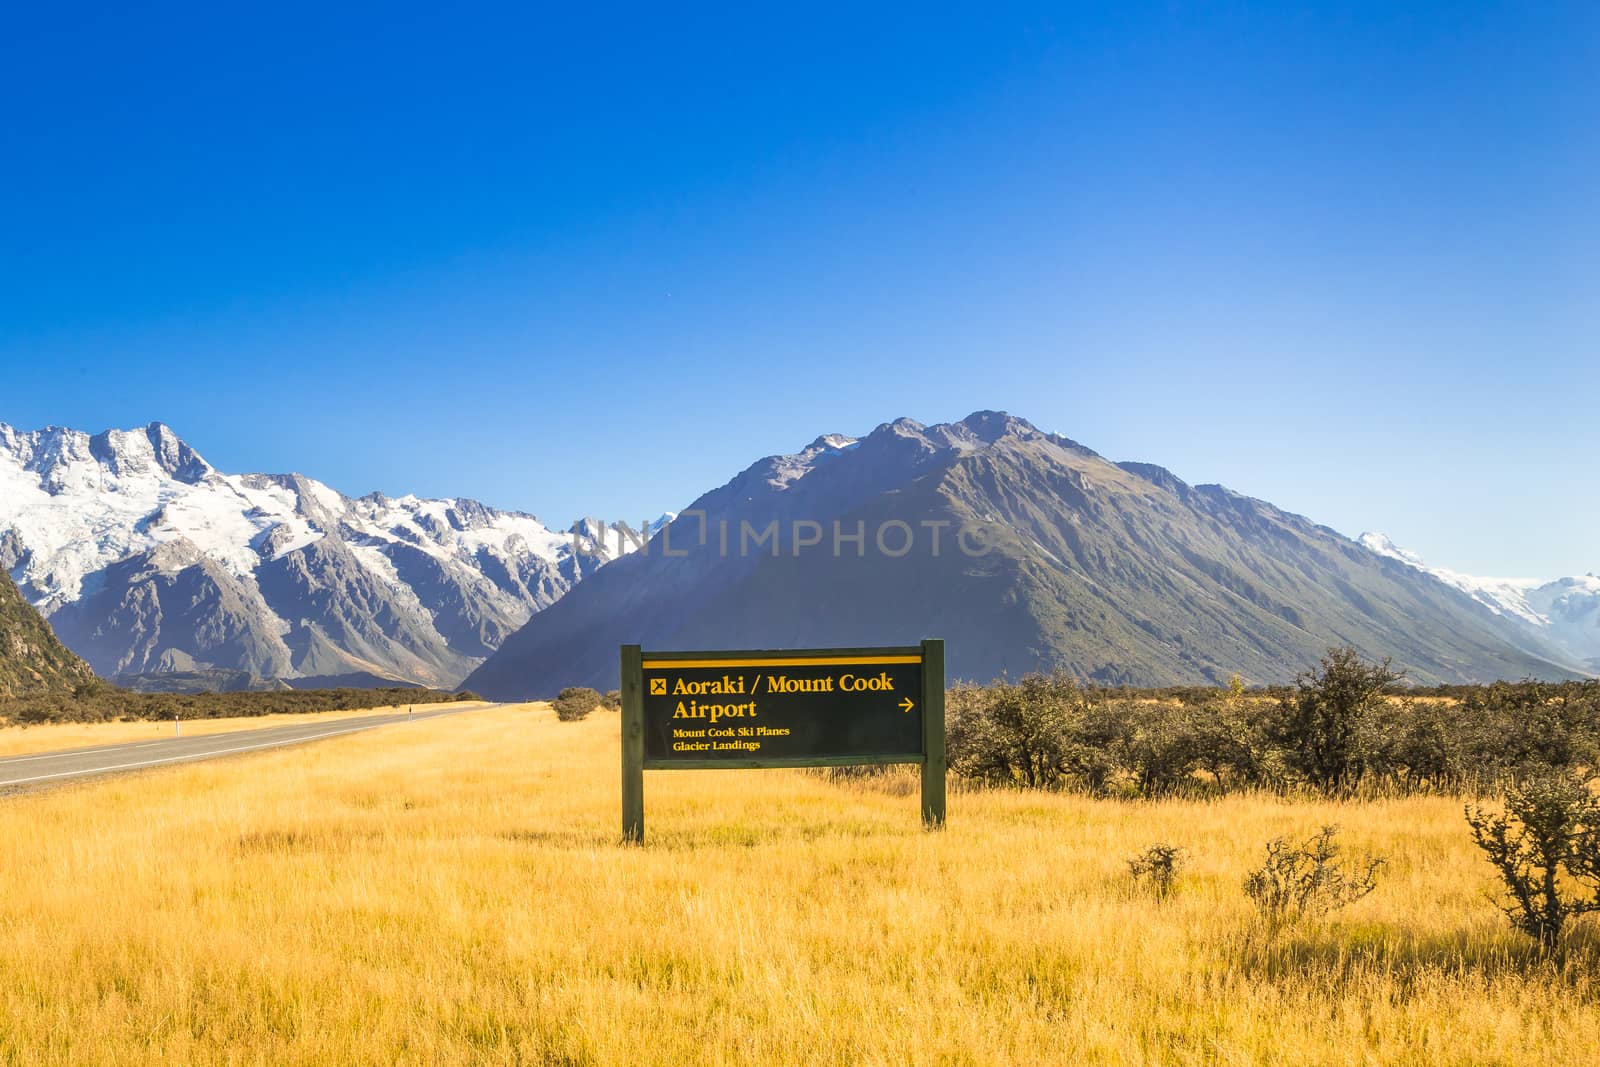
(47, 768)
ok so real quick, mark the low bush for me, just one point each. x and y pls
(1308, 879)
(575, 702)
(1158, 867)
(1031, 733)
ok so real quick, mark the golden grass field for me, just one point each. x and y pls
(453, 891)
(48, 737)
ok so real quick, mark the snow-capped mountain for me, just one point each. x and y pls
(1119, 573)
(145, 558)
(1560, 615)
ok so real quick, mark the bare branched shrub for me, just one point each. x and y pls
(1547, 850)
(1158, 867)
(1308, 879)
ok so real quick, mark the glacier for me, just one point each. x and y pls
(145, 558)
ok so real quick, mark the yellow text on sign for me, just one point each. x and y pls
(693, 709)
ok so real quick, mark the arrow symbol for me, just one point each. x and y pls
(906, 705)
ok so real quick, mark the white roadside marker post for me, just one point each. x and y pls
(177, 731)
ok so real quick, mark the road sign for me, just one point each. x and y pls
(787, 708)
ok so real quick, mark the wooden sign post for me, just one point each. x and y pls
(833, 707)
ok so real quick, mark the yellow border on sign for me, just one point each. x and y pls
(779, 661)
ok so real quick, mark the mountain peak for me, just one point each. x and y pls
(990, 426)
(1384, 546)
(901, 427)
(175, 455)
(836, 442)
(1084, 568)
(986, 427)
(64, 456)
(138, 551)
(1156, 475)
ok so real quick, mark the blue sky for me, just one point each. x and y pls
(1343, 258)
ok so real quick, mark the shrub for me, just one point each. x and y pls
(1548, 839)
(1519, 730)
(1321, 723)
(1416, 745)
(1308, 879)
(1235, 689)
(1165, 744)
(1157, 866)
(1031, 733)
(612, 701)
(575, 702)
(1338, 729)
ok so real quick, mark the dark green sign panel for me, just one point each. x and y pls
(733, 708)
(788, 708)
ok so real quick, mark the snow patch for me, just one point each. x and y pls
(1563, 613)
(80, 504)
(1503, 596)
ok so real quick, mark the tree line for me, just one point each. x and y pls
(100, 702)
(1342, 728)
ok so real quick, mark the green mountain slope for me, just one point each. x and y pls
(31, 659)
(1119, 573)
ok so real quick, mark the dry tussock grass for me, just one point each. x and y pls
(453, 891)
